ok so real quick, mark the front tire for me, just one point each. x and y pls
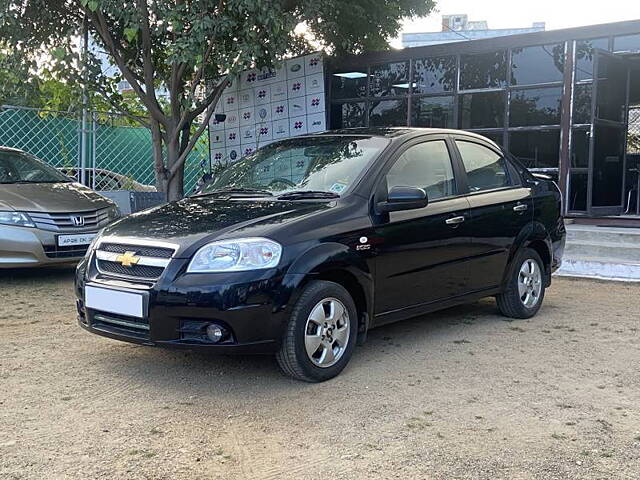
(321, 333)
(525, 289)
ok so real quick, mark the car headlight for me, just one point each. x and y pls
(113, 212)
(92, 245)
(18, 219)
(236, 256)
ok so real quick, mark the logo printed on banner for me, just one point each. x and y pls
(217, 156)
(246, 115)
(296, 86)
(251, 77)
(266, 75)
(313, 62)
(315, 102)
(232, 136)
(280, 109)
(298, 125)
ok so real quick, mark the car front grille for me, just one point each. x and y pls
(138, 271)
(75, 251)
(71, 221)
(120, 324)
(142, 250)
(149, 262)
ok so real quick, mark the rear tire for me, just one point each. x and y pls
(525, 289)
(321, 334)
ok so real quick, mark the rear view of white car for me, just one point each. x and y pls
(45, 217)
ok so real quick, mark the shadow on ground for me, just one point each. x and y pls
(171, 372)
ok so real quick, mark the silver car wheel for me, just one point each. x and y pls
(326, 334)
(530, 283)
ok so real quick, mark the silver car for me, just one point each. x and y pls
(45, 217)
(108, 180)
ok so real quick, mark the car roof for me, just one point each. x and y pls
(10, 149)
(398, 132)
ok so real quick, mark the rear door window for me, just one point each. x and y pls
(486, 169)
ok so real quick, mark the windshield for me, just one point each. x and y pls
(320, 164)
(17, 167)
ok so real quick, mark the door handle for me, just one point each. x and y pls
(454, 220)
(521, 207)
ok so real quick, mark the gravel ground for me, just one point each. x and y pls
(457, 394)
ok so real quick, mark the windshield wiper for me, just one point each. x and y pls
(238, 191)
(302, 194)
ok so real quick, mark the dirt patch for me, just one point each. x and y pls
(457, 394)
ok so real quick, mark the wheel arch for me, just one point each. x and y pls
(337, 263)
(536, 237)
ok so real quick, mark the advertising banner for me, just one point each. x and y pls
(265, 105)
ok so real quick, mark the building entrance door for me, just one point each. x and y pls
(609, 118)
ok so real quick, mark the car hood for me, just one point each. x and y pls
(50, 197)
(194, 219)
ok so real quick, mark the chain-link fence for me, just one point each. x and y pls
(633, 136)
(51, 136)
(118, 155)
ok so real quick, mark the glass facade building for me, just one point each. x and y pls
(557, 100)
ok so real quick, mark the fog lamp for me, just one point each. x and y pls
(215, 332)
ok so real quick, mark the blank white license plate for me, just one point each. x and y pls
(114, 301)
(78, 239)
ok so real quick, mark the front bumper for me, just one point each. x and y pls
(32, 247)
(251, 307)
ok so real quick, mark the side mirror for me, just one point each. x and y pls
(404, 198)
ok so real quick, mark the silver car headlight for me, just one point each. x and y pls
(236, 256)
(17, 219)
(113, 212)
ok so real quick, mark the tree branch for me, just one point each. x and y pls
(194, 139)
(147, 61)
(102, 29)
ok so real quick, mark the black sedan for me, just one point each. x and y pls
(300, 248)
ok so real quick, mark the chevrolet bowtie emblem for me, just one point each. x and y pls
(127, 259)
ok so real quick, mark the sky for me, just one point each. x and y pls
(522, 13)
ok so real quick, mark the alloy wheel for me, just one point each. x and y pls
(327, 332)
(530, 283)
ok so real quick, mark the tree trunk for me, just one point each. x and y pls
(158, 157)
(174, 184)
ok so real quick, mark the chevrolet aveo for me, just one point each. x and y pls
(299, 249)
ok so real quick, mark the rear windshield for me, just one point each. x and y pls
(17, 167)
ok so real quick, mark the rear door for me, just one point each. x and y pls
(420, 253)
(500, 208)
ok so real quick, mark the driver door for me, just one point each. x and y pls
(421, 253)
